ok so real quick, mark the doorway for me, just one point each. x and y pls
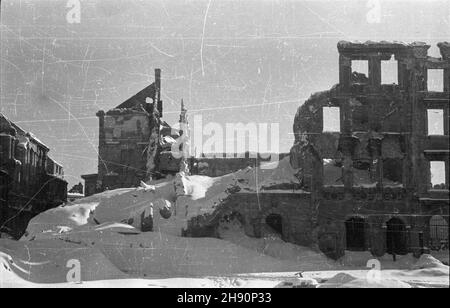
(355, 234)
(275, 222)
(396, 237)
(438, 233)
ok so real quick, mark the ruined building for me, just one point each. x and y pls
(30, 181)
(132, 142)
(372, 160)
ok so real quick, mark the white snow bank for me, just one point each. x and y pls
(345, 280)
(132, 206)
(203, 194)
(360, 259)
(157, 254)
(428, 261)
(442, 255)
(48, 261)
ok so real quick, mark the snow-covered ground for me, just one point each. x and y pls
(115, 255)
(100, 241)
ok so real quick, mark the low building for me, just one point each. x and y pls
(90, 184)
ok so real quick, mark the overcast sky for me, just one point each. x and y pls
(262, 57)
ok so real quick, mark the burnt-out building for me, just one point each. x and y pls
(30, 181)
(133, 142)
(124, 135)
(372, 160)
(375, 156)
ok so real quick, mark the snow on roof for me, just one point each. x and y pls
(54, 161)
(21, 131)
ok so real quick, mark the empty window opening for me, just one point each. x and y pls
(438, 233)
(275, 222)
(437, 171)
(364, 174)
(436, 80)
(435, 121)
(389, 72)
(434, 51)
(332, 172)
(360, 71)
(396, 237)
(392, 172)
(355, 236)
(331, 119)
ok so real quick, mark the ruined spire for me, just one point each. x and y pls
(183, 113)
(184, 132)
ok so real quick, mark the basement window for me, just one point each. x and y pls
(437, 171)
(389, 72)
(331, 119)
(435, 119)
(436, 80)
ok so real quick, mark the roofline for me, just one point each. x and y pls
(24, 132)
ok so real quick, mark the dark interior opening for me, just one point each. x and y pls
(396, 237)
(393, 170)
(355, 235)
(275, 222)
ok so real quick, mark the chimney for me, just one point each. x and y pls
(158, 91)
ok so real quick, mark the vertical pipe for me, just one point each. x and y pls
(157, 98)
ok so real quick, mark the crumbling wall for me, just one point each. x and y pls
(125, 124)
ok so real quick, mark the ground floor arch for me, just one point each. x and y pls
(396, 236)
(438, 232)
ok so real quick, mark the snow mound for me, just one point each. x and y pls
(50, 261)
(345, 280)
(428, 261)
(141, 208)
(428, 266)
(389, 283)
(338, 280)
(297, 282)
